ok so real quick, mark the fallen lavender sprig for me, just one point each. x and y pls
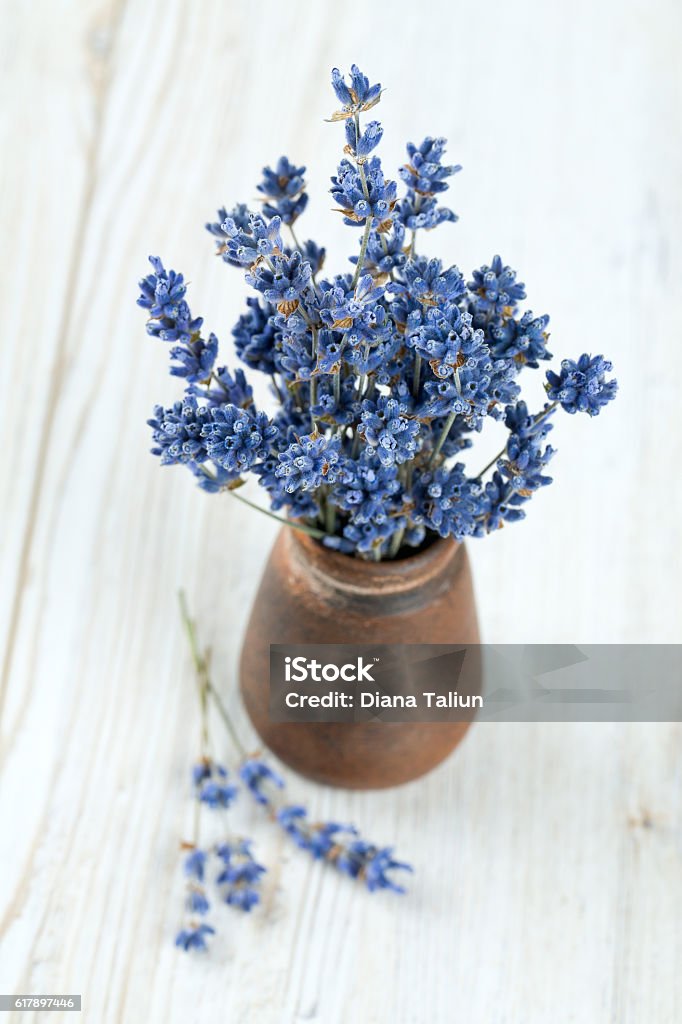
(330, 841)
(334, 843)
(238, 873)
(352, 856)
(194, 934)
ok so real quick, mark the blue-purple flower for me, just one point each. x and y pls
(368, 490)
(523, 339)
(177, 432)
(195, 864)
(340, 845)
(314, 254)
(372, 865)
(357, 199)
(284, 191)
(415, 212)
(211, 786)
(426, 282)
(197, 901)
(496, 289)
(170, 319)
(238, 438)
(240, 874)
(390, 434)
(385, 250)
(240, 216)
(162, 293)
(246, 246)
(582, 386)
(217, 794)
(319, 839)
(309, 462)
(261, 781)
(446, 339)
(341, 305)
(255, 337)
(356, 94)
(338, 405)
(447, 502)
(361, 143)
(467, 393)
(525, 457)
(194, 937)
(282, 280)
(194, 361)
(425, 172)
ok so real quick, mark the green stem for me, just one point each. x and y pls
(310, 530)
(304, 315)
(368, 221)
(490, 464)
(227, 721)
(536, 419)
(330, 516)
(417, 374)
(441, 440)
(384, 245)
(201, 663)
(360, 163)
(363, 251)
(199, 660)
(313, 401)
(362, 382)
(417, 204)
(276, 387)
(204, 683)
(293, 235)
(313, 380)
(396, 541)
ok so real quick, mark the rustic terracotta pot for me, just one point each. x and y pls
(310, 595)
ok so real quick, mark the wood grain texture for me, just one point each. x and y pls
(549, 858)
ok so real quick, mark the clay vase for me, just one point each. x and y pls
(311, 595)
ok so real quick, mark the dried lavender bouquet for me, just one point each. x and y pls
(382, 375)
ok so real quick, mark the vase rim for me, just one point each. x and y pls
(347, 572)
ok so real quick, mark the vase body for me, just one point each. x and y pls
(310, 595)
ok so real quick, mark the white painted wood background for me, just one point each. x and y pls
(548, 884)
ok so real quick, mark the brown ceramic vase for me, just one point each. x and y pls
(310, 595)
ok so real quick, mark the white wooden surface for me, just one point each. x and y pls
(549, 858)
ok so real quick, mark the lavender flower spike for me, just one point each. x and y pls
(582, 386)
(240, 874)
(258, 779)
(338, 845)
(194, 937)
